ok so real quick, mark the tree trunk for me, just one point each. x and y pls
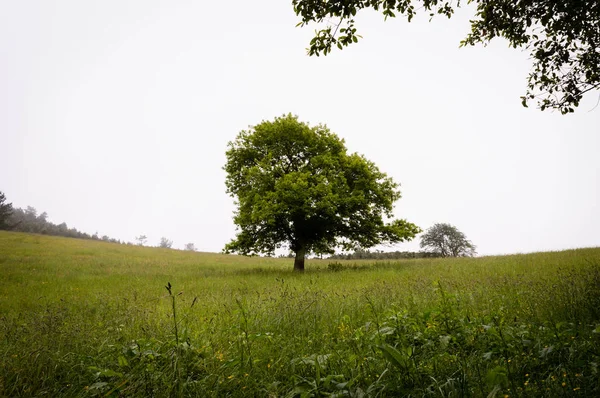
(299, 260)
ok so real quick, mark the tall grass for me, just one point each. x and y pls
(86, 318)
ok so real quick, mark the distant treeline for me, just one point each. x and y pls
(379, 255)
(28, 220)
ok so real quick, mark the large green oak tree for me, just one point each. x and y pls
(297, 187)
(562, 37)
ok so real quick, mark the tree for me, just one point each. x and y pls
(296, 187)
(562, 37)
(141, 240)
(28, 220)
(6, 210)
(446, 240)
(190, 247)
(165, 243)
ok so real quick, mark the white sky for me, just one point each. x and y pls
(115, 116)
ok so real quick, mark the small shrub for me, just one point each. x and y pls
(335, 267)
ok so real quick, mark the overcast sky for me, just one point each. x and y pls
(115, 118)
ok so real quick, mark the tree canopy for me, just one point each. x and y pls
(297, 187)
(6, 210)
(190, 247)
(446, 240)
(28, 220)
(165, 243)
(562, 37)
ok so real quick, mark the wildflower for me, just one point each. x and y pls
(577, 388)
(230, 377)
(564, 384)
(577, 374)
(245, 374)
(526, 374)
(526, 383)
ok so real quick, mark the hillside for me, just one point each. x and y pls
(82, 318)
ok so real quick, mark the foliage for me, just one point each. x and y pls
(28, 220)
(447, 241)
(190, 247)
(6, 211)
(82, 318)
(141, 240)
(562, 37)
(165, 243)
(296, 185)
(362, 254)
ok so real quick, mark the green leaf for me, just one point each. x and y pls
(123, 361)
(392, 355)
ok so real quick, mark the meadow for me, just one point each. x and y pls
(83, 318)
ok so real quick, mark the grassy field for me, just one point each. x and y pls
(86, 318)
